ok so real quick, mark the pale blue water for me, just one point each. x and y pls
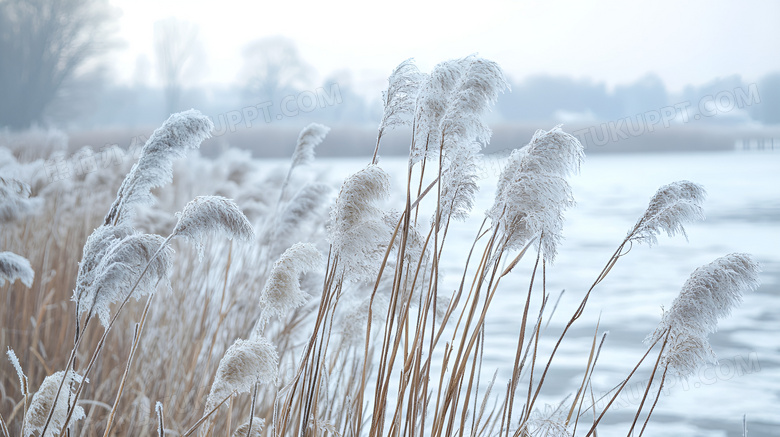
(743, 215)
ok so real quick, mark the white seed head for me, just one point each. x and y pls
(358, 231)
(13, 267)
(245, 363)
(709, 294)
(15, 200)
(112, 267)
(398, 100)
(257, 428)
(212, 215)
(670, 207)
(182, 132)
(309, 138)
(282, 292)
(43, 399)
(533, 193)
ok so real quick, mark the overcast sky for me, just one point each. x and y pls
(684, 42)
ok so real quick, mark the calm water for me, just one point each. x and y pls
(743, 215)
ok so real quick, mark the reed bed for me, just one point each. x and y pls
(170, 294)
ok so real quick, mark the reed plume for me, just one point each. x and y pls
(205, 215)
(282, 292)
(357, 230)
(43, 402)
(670, 207)
(13, 267)
(182, 131)
(15, 200)
(709, 294)
(533, 193)
(245, 363)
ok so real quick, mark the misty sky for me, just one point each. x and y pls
(612, 41)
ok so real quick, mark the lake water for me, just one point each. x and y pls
(743, 215)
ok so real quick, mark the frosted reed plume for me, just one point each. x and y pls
(709, 294)
(670, 207)
(41, 404)
(245, 363)
(358, 231)
(206, 215)
(181, 132)
(398, 99)
(13, 267)
(309, 138)
(15, 200)
(464, 133)
(307, 204)
(282, 292)
(533, 193)
(257, 428)
(23, 383)
(118, 263)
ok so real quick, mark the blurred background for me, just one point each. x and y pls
(659, 76)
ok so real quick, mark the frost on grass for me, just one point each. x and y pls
(43, 399)
(15, 200)
(282, 292)
(182, 131)
(670, 207)
(709, 294)
(533, 193)
(307, 204)
(212, 215)
(245, 363)
(13, 267)
(115, 263)
(358, 231)
(550, 422)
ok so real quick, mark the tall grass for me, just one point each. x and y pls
(305, 323)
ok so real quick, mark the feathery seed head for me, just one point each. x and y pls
(245, 363)
(212, 214)
(282, 291)
(43, 399)
(358, 232)
(180, 133)
(309, 138)
(398, 100)
(13, 267)
(122, 260)
(533, 193)
(15, 200)
(670, 207)
(709, 294)
(257, 428)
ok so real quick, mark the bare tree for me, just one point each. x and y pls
(44, 44)
(273, 66)
(177, 48)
